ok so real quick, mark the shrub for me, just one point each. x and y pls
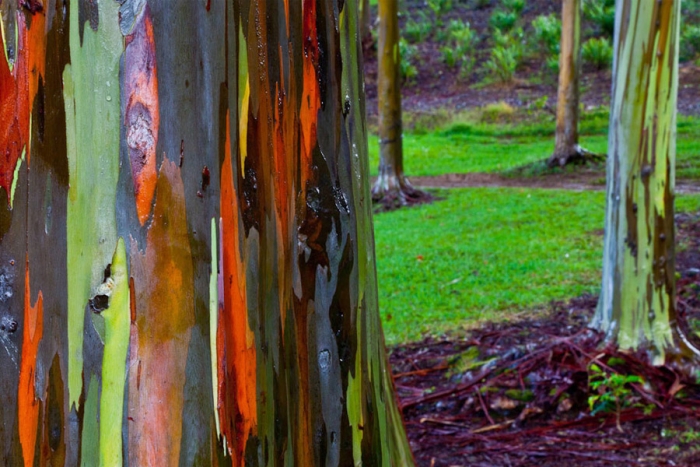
(690, 43)
(502, 63)
(552, 65)
(597, 52)
(515, 6)
(459, 51)
(440, 7)
(547, 33)
(512, 40)
(602, 14)
(417, 30)
(502, 20)
(408, 54)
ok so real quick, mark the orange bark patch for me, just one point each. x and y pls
(27, 403)
(164, 291)
(141, 115)
(234, 341)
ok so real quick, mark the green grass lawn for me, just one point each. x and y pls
(479, 147)
(485, 254)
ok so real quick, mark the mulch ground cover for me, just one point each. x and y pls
(519, 393)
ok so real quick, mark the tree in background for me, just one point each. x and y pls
(638, 296)
(392, 189)
(567, 149)
(187, 271)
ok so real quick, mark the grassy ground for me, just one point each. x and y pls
(486, 254)
(474, 146)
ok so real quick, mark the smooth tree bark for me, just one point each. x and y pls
(638, 297)
(391, 189)
(187, 272)
(567, 149)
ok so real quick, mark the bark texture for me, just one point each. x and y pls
(187, 271)
(637, 301)
(391, 189)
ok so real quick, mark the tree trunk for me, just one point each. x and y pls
(637, 300)
(392, 189)
(187, 271)
(567, 149)
(365, 21)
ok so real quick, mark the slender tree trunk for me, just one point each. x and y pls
(637, 300)
(567, 149)
(365, 21)
(392, 189)
(187, 271)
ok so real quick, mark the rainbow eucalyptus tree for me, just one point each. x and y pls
(391, 189)
(186, 254)
(637, 300)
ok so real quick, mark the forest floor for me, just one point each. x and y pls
(520, 393)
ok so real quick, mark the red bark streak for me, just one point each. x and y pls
(27, 403)
(235, 340)
(311, 96)
(141, 116)
(14, 107)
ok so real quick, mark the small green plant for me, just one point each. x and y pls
(552, 65)
(597, 52)
(439, 8)
(502, 20)
(459, 50)
(408, 55)
(417, 30)
(502, 64)
(515, 6)
(547, 33)
(610, 392)
(690, 42)
(602, 14)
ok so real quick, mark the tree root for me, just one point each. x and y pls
(400, 193)
(578, 156)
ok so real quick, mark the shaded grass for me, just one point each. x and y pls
(472, 146)
(486, 254)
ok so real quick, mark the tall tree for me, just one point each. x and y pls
(187, 270)
(567, 149)
(637, 300)
(391, 189)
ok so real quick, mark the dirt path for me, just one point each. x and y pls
(580, 181)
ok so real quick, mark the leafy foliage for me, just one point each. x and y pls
(547, 33)
(515, 6)
(408, 55)
(502, 20)
(417, 30)
(610, 391)
(502, 63)
(602, 14)
(439, 8)
(690, 42)
(597, 52)
(459, 50)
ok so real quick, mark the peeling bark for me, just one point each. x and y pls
(187, 272)
(637, 301)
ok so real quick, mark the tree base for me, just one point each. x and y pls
(577, 156)
(390, 193)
